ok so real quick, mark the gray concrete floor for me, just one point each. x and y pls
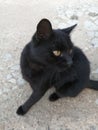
(18, 20)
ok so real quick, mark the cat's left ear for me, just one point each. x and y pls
(69, 29)
(44, 29)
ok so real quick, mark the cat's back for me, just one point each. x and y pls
(81, 63)
(80, 56)
(25, 56)
(26, 50)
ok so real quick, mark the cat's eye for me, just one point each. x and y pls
(57, 53)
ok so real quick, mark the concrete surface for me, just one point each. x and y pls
(18, 20)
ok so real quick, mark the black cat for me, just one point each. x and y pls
(51, 59)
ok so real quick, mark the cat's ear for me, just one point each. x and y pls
(44, 29)
(69, 29)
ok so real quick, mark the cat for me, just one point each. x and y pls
(50, 59)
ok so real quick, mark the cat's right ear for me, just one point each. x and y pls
(44, 29)
(69, 29)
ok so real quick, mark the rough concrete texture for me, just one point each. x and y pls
(18, 20)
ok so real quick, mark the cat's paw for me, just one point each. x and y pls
(20, 111)
(53, 97)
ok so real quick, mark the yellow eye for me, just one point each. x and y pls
(57, 53)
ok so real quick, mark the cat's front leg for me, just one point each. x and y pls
(35, 96)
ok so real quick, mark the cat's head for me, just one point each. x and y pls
(55, 46)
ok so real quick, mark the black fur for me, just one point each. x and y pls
(68, 73)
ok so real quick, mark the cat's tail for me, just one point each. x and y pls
(93, 84)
